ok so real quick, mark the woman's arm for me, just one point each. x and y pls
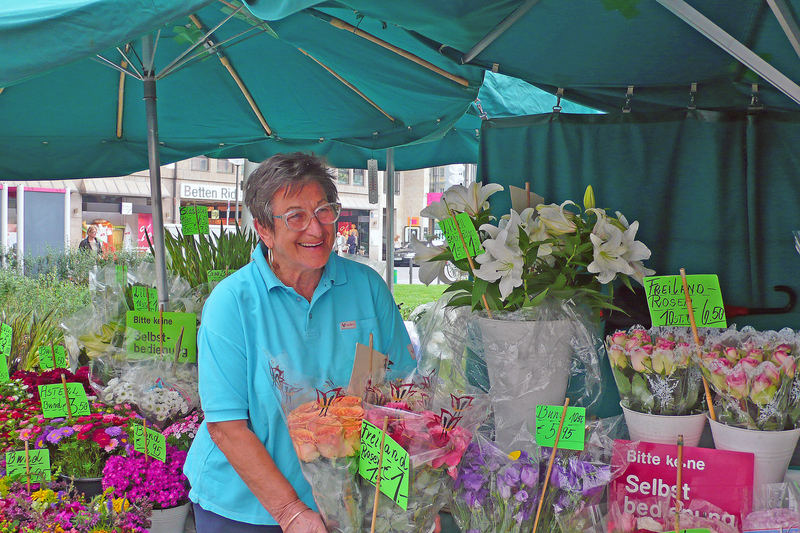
(255, 466)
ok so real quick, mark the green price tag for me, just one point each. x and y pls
(144, 298)
(122, 274)
(394, 468)
(201, 213)
(218, 275)
(143, 335)
(573, 432)
(469, 233)
(49, 361)
(156, 443)
(188, 220)
(54, 405)
(5, 351)
(38, 462)
(667, 303)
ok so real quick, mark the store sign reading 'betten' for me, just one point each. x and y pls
(203, 191)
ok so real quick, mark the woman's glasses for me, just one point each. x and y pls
(299, 219)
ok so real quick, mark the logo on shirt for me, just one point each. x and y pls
(350, 324)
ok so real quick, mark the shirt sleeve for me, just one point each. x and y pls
(397, 344)
(221, 361)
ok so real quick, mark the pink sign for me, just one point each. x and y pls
(145, 223)
(434, 197)
(715, 483)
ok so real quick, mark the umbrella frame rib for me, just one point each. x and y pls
(787, 22)
(498, 30)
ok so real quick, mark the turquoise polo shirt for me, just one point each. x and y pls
(252, 316)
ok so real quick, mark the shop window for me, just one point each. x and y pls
(200, 163)
(224, 166)
(358, 176)
(343, 176)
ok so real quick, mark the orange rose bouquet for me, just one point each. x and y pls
(326, 434)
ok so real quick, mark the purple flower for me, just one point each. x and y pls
(472, 480)
(521, 496)
(114, 431)
(528, 474)
(56, 435)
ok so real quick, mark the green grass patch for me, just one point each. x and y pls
(411, 296)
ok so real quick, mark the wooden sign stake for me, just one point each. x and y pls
(688, 297)
(550, 465)
(528, 192)
(147, 295)
(469, 257)
(371, 349)
(178, 346)
(161, 330)
(678, 501)
(144, 425)
(66, 396)
(27, 467)
(378, 480)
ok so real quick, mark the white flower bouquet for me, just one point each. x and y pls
(547, 251)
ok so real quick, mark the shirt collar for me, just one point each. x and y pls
(333, 273)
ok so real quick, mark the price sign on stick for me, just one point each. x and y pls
(468, 231)
(156, 443)
(218, 275)
(201, 213)
(144, 298)
(667, 303)
(573, 432)
(143, 335)
(5, 351)
(394, 468)
(39, 461)
(188, 220)
(54, 404)
(51, 357)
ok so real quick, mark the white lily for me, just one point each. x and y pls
(503, 259)
(637, 251)
(608, 260)
(437, 211)
(555, 219)
(472, 199)
(423, 254)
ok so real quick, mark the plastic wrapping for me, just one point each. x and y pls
(697, 514)
(776, 507)
(653, 370)
(325, 428)
(435, 444)
(524, 358)
(755, 377)
(496, 490)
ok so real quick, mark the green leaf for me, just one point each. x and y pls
(462, 285)
(623, 384)
(536, 300)
(460, 301)
(479, 288)
(640, 391)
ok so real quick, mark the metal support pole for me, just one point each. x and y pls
(724, 40)
(4, 223)
(236, 193)
(389, 229)
(21, 228)
(66, 220)
(247, 216)
(155, 173)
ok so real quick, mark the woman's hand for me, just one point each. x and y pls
(306, 522)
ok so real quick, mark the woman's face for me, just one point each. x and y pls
(299, 250)
(91, 232)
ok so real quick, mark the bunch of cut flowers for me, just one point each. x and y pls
(134, 476)
(543, 252)
(654, 371)
(496, 491)
(435, 443)
(60, 508)
(181, 433)
(754, 375)
(80, 446)
(17, 407)
(325, 427)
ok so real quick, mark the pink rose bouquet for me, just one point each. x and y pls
(654, 372)
(754, 375)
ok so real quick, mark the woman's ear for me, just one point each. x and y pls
(265, 233)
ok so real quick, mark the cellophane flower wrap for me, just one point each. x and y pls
(655, 372)
(435, 442)
(776, 507)
(496, 491)
(325, 427)
(754, 375)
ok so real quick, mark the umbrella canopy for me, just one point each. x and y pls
(596, 50)
(300, 80)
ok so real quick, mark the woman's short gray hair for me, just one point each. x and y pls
(285, 171)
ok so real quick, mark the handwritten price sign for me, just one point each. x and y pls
(667, 303)
(469, 233)
(38, 461)
(5, 351)
(218, 275)
(52, 357)
(194, 220)
(394, 468)
(156, 443)
(121, 274)
(573, 432)
(54, 404)
(144, 298)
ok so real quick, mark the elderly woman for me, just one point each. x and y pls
(295, 298)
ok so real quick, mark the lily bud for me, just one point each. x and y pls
(588, 198)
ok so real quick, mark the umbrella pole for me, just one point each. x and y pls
(389, 229)
(155, 172)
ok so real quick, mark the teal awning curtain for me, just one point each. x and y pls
(713, 192)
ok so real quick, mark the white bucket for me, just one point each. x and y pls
(171, 520)
(664, 429)
(772, 449)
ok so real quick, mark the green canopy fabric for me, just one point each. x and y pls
(61, 123)
(595, 50)
(716, 193)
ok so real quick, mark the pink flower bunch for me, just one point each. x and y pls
(181, 433)
(638, 350)
(134, 477)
